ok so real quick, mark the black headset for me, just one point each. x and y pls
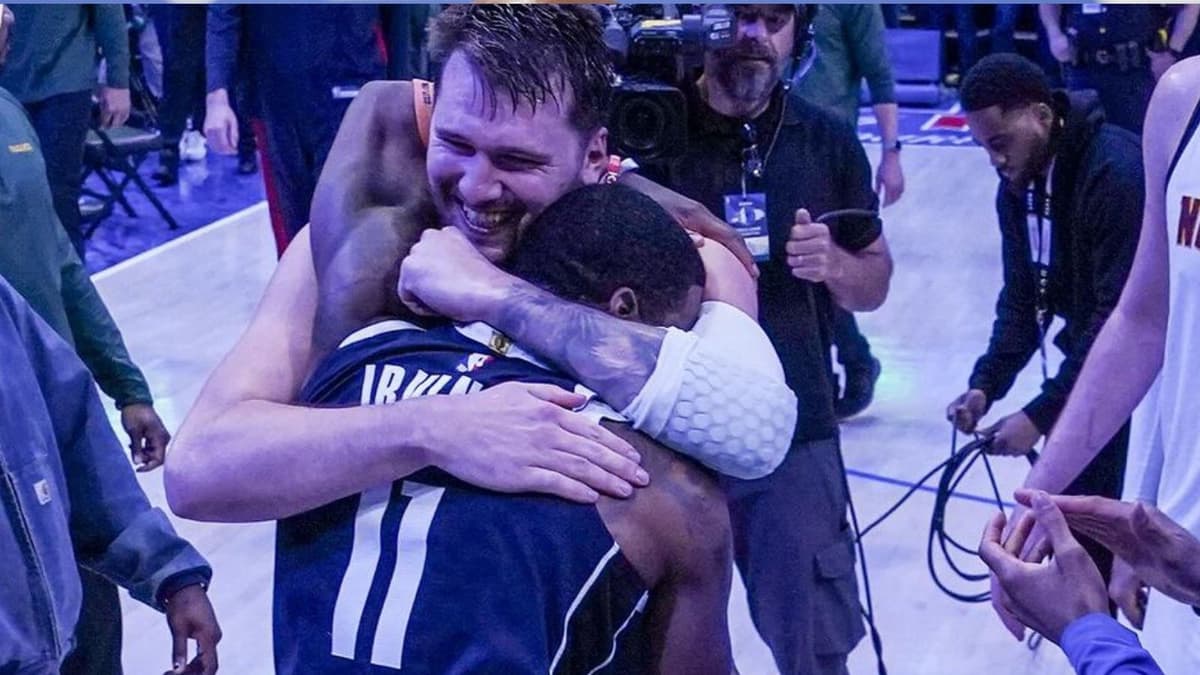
(804, 48)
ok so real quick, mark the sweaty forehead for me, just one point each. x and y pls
(467, 102)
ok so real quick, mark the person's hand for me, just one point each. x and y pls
(444, 274)
(220, 124)
(965, 411)
(1045, 596)
(1014, 435)
(525, 438)
(114, 107)
(1061, 48)
(1129, 592)
(1161, 62)
(1012, 545)
(811, 253)
(190, 616)
(889, 179)
(1160, 552)
(148, 437)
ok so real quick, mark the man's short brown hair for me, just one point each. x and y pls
(534, 53)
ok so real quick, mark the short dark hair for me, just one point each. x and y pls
(1006, 80)
(532, 53)
(598, 238)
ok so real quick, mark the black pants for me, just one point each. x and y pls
(1005, 28)
(853, 350)
(962, 17)
(98, 634)
(61, 123)
(1124, 95)
(297, 141)
(246, 144)
(180, 31)
(795, 550)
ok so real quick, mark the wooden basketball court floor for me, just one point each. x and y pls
(181, 306)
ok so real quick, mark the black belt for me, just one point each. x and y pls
(1124, 56)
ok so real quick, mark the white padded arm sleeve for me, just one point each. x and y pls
(1143, 467)
(718, 395)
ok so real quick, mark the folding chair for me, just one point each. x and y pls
(114, 155)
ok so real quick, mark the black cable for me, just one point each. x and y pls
(824, 218)
(953, 470)
(868, 612)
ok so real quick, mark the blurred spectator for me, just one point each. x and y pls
(1192, 48)
(1179, 35)
(305, 63)
(38, 260)
(1004, 28)
(851, 48)
(52, 70)
(1106, 48)
(963, 19)
(180, 31)
(408, 57)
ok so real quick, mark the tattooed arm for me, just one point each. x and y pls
(611, 356)
(673, 385)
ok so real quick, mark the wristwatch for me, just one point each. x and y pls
(893, 147)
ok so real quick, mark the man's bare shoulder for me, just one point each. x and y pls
(1175, 97)
(678, 523)
(390, 101)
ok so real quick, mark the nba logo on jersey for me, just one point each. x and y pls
(474, 362)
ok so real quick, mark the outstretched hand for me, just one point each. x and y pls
(1045, 595)
(1159, 551)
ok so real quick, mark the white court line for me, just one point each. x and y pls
(179, 241)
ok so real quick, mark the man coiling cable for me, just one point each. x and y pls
(1069, 206)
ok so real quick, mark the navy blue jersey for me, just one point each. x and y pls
(431, 575)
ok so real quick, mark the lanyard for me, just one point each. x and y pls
(754, 165)
(1040, 225)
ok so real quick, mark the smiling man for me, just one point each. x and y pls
(1069, 205)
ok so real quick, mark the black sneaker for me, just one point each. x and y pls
(167, 172)
(859, 391)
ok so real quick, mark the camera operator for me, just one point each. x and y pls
(765, 158)
(1070, 207)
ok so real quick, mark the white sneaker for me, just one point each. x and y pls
(192, 147)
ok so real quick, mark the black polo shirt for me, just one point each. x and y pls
(815, 162)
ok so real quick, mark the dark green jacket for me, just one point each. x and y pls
(54, 50)
(37, 259)
(850, 48)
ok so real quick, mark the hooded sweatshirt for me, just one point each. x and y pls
(1096, 194)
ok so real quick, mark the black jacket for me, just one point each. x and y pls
(1096, 195)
